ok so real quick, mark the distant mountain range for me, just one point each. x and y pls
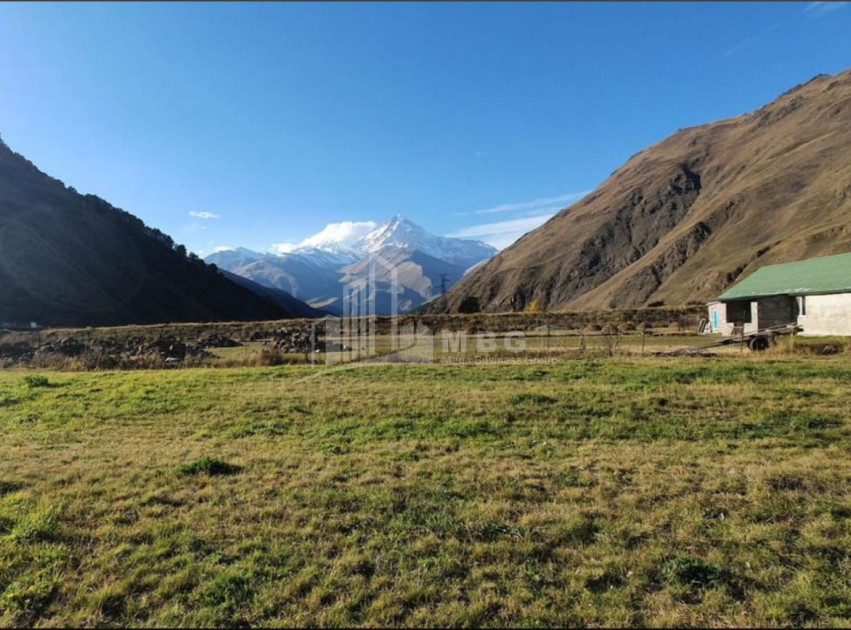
(318, 274)
(74, 260)
(290, 305)
(685, 218)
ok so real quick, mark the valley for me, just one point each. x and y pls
(520, 403)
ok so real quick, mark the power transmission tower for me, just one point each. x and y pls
(443, 278)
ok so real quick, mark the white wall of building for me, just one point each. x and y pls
(827, 315)
(718, 322)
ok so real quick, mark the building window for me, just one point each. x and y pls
(739, 312)
(802, 305)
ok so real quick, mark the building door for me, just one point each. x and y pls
(714, 320)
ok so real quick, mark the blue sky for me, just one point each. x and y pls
(255, 124)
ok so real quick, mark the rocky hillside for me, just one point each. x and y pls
(684, 218)
(74, 260)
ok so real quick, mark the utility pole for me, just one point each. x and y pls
(547, 320)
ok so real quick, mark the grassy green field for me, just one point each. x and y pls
(626, 491)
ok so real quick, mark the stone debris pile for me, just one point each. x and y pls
(296, 340)
(217, 341)
(166, 348)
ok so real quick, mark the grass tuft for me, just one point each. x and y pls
(35, 380)
(208, 466)
(37, 525)
(531, 398)
(690, 571)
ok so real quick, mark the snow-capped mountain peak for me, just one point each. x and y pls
(398, 232)
(404, 233)
(327, 254)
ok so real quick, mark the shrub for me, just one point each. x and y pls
(270, 356)
(533, 308)
(469, 305)
(611, 340)
(54, 361)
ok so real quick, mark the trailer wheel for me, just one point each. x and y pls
(758, 344)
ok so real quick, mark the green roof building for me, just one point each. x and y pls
(815, 294)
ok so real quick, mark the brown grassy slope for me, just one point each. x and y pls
(684, 218)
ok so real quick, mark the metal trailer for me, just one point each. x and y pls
(756, 341)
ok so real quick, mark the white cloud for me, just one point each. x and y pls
(283, 248)
(503, 233)
(536, 204)
(813, 10)
(205, 215)
(820, 8)
(343, 233)
(743, 44)
(527, 216)
(222, 248)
